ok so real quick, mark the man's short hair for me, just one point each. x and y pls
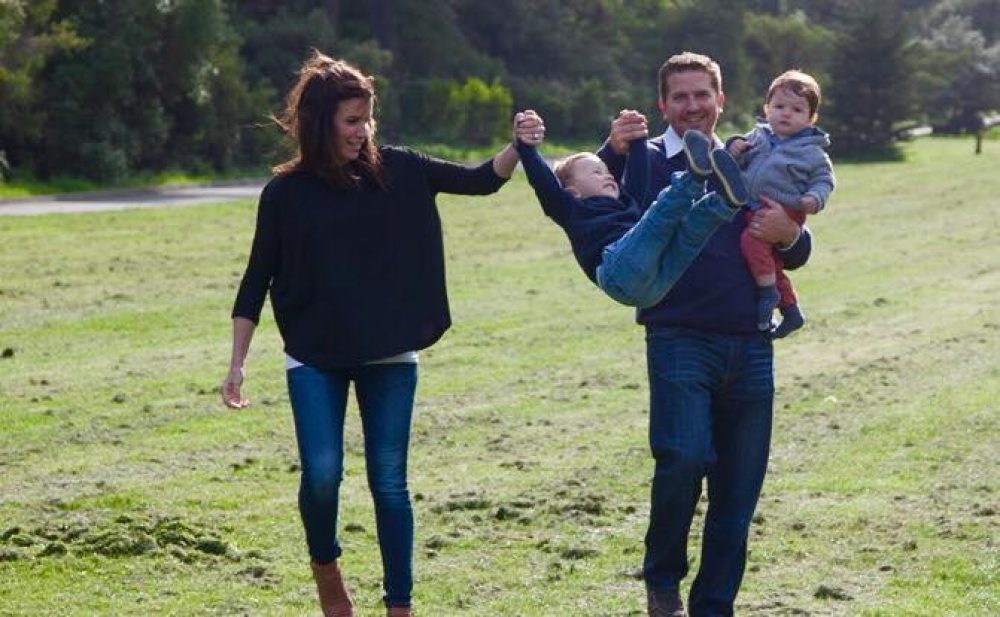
(800, 84)
(689, 61)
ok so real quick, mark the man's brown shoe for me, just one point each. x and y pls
(664, 603)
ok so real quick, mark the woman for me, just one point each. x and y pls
(348, 241)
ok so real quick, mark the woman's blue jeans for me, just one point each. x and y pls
(711, 403)
(385, 397)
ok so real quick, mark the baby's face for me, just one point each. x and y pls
(590, 178)
(787, 113)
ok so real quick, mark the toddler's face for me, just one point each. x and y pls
(590, 177)
(787, 113)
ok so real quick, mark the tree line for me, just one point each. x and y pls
(106, 88)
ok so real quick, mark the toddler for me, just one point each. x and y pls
(783, 159)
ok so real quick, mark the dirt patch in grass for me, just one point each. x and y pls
(123, 537)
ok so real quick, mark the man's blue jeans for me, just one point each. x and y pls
(639, 268)
(385, 397)
(711, 403)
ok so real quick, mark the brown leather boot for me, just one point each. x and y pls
(399, 611)
(664, 603)
(333, 596)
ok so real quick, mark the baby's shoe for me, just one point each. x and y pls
(791, 320)
(730, 177)
(697, 149)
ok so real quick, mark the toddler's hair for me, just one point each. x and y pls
(564, 168)
(799, 84)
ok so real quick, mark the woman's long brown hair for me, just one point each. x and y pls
(308, 119)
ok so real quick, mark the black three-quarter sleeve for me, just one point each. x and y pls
(264, 256)
(458, 178)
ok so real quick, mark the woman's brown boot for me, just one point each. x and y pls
(333, 596)
(399, 611)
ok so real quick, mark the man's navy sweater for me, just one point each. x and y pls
(717, 293)
(593, 222)
(356, 273)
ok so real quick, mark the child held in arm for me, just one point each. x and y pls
(633, 252)
(784, 159)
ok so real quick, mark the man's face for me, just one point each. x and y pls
(691, 102)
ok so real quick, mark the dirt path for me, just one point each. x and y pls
(133, 198)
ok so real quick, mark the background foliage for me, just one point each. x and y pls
(104, 90)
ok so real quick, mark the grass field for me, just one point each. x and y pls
(126, 489)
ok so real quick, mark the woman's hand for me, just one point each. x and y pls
(529, 127)
(230, 390)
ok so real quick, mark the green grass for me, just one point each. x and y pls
(529, 463)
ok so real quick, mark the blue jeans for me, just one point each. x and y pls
(639, 268)
(385, 397)
(711, 402)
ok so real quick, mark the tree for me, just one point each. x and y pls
(871, 88)
(28, 37)
(962, 76)
(775, 44)
(159, 84)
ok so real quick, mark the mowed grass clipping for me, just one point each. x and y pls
(127, 489)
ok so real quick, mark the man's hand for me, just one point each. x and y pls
(629, 125)
(771, 224)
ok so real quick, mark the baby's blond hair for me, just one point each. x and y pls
(564, 168)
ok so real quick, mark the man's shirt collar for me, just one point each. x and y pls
(672, 144)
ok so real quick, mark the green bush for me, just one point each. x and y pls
(469, 112)
(481, 112)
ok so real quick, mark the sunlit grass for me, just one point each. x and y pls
(529, 463)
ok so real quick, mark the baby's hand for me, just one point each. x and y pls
(529, 127)
(738, 146)
(809, 203)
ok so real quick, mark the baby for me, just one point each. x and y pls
(784, 159)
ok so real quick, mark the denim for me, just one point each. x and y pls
(711, 403)
(639, 268)
(385, 397)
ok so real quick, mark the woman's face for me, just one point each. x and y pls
(353, 126)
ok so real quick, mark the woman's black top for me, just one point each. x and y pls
(356, 274)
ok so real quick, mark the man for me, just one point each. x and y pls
(711, 371)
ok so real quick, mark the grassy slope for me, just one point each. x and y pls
(529, 462)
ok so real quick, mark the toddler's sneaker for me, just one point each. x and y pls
(697, 149)
(727, 172)
(791, 320)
